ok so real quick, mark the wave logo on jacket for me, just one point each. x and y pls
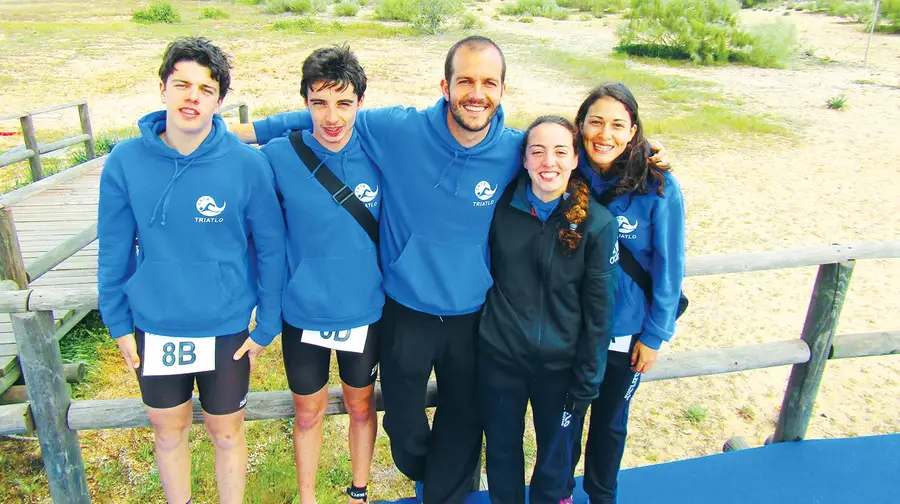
(625, 226)
(208, 207)
(365, 193)
(483, 190)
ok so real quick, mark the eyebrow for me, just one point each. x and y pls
(601, 117)
(182, 81)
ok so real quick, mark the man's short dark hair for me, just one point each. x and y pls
(472, 42)
(202, 52)
(337, 67)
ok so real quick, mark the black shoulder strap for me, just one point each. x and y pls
(340, 192)
(629, 263)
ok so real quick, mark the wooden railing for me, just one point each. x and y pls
(56, 418)
(35, 149)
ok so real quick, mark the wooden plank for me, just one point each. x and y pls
(61, 252)
(16, 419)
(818, 332)
(48, 147)
(865, 345)
(8, 363)
(49, 398)
(84, 117)
(8, 379)
(54, 108)
(13, 197)
(790, 258)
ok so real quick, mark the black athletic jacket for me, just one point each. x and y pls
(547, 311)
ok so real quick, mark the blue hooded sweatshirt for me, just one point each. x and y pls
(439, 200)
(652, 227)
(189, 244)
(334, 281)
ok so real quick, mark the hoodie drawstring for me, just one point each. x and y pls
(459, 176)
(446, 168)
(167, 194)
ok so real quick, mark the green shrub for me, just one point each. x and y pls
(537, 8)
(428, 16)
(469, 21)
(395, 10)
(214, 13)
(836, 102)
(704, 31)
(295, 6)
(158, 12)
(346, 9)
(310, 25)
(772, 45)
(526, 19)
(432, 15)
(596, 7)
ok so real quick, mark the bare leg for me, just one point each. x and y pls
(309, 411)
(360, 404)
(227, 433)
(171, 427)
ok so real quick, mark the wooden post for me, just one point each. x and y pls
(37, 171)
(244, 113)
(12, 267)
(85, 116)
(818, 332)
(48, 395)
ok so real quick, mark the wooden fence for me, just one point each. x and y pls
(57, 419)
(35, 149)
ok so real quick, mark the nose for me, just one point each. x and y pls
(330, 115)
(478, 91)
(193, 92)
(549, 160)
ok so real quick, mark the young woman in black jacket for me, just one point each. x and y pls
(546, 325)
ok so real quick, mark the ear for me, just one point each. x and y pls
(361, 100)
(445, 88)
(633, 131)
(218, 105)
(162, 92)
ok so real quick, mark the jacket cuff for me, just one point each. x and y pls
(651, 340)
(262, 338)
(576, 406)
(263, 133)
(120, 329)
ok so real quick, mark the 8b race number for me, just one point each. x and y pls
(168, 355)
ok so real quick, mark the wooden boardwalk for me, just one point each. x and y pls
(46, 214)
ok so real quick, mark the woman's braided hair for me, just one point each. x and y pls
(579, 195)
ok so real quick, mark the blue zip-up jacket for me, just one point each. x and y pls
(334, 281)
(652, 227)
(189, 244)
(439, 200)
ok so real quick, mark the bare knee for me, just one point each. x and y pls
(360, 409)
(169, 430)
(308, 412)
(226, 435)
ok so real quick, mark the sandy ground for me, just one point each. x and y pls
(834, 181)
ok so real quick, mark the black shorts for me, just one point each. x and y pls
(307, 365)
(222, 391)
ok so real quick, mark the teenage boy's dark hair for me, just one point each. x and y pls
(204, 53)
(337, 67)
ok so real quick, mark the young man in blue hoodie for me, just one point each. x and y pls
(333, 297)
(191, 240)
(443, 169)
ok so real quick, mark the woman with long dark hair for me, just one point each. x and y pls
(546, 324)
(648, 205)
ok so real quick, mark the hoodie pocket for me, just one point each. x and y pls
(443, 276)
(190, 295)
(335, 288)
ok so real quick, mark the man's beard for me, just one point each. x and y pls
(457, 116)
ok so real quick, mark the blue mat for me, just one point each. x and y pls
(864, 470)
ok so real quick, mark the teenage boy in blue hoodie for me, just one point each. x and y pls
(443, 169)
(191, 240)
(333, 297)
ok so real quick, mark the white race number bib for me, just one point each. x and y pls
(168, 355)
(620, 344)
(346, 340)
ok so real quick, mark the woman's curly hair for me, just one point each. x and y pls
(578, 195)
